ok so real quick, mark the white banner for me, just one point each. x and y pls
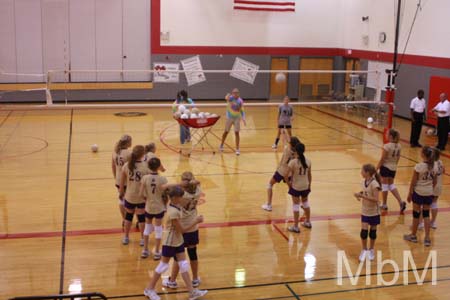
(195, 71)
(163, 73)
(250, 68)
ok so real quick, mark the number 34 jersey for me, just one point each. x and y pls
(152, 191)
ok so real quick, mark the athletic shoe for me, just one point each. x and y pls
(433, 225)
(293, 229)
(384, 207)
(141, 243)
(221, 148)
(410, 238)
(362, 255)
(267, 207)
(157, 256)
(371, 254)
(421, 226)
(274, 146)
(151, 294)
(125, 241)
(238, 152)
(145, 253)
(307, 224)
(427, 242)
(195, 294)
(169, 283)
(196, 282)
(402, 207)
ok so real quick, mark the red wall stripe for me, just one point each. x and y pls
(156, 48)
(264, 3)
(264, 9)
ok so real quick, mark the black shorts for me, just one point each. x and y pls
(133, 206)
(371, 220)
(385, 172)
(284, 126)
(156, 216)
(168, 251)
(295, 193)
(191, 238)
(422, 200)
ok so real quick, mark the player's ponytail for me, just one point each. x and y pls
(428, 153)
(300, 149)
(294, 141)
(192, 185)
(138, 152)
(150, 148)
(394, 134)
(123, 143)
(369, 168)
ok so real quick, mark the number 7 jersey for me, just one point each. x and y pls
(153, 192)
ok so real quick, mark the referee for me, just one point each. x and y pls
(417, 113)
(442, 110)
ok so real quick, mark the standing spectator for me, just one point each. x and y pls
(235, 113)
(417, 115)
(442, 110)
(183, 99)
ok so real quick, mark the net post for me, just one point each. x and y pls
(48, 94)
(390, 95)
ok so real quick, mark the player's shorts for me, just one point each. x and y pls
(191, 238)
(284, 126)
(169, 251)
(156, 216)
(295, 193)
(371, 220)
(422, 200)
(236, 122)
(133, 206)
(386, 172)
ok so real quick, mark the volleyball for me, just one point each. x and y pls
(184, 116)
(177, 115)
(195, 110)
(280, 77)
(369, 120)
(187, 112)
(181, 108)
(193, 116)
(430, 131)
(94, 148)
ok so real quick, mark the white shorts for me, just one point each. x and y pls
(233, 122)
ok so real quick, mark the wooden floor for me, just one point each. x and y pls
(47, 170)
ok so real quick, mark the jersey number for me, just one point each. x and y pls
(135, 176)
(302, 171)
(153, 185)
(396, 153)
(119, 161)
(428, 176)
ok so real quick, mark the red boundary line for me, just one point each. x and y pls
(157, 48)
(273, 222)
(280, 231)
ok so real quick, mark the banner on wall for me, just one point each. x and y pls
(250, 69)
(194, 70)
(163, 73)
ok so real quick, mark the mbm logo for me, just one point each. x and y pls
(408, 260)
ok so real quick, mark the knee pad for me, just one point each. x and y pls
(392, 187)
(426, 213)
(129, 217)
(184, 266)
(295, 207)
(269, 186)
(364, 234)
(192, 253)
(305, 204)
(158, 232)
(162, 267)
(148, 229)
(373, 234)
(416, 214)
(434, 205)
(385, 187)
(141, 218)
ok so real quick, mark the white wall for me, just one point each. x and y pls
(215, 23)
(41, 35)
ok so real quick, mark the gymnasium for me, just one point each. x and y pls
(239, 94)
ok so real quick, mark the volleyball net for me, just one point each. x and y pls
(347, 90)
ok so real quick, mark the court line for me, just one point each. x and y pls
(6, 118)
(352, 290)
(280, 232)
(258, 285)
(29, 153)
(73, 233)
(292, 291)
(12, 133)
(66, 199)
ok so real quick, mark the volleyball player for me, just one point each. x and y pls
(150, 151)
(421, 192)
(192, 194)
(370, 216)
(120, 156)
(388, 166)
(299, 186)
(235, 113)
(282, 170)
(152, 189)
(173, 247)
(132, 173)
(285, 113)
